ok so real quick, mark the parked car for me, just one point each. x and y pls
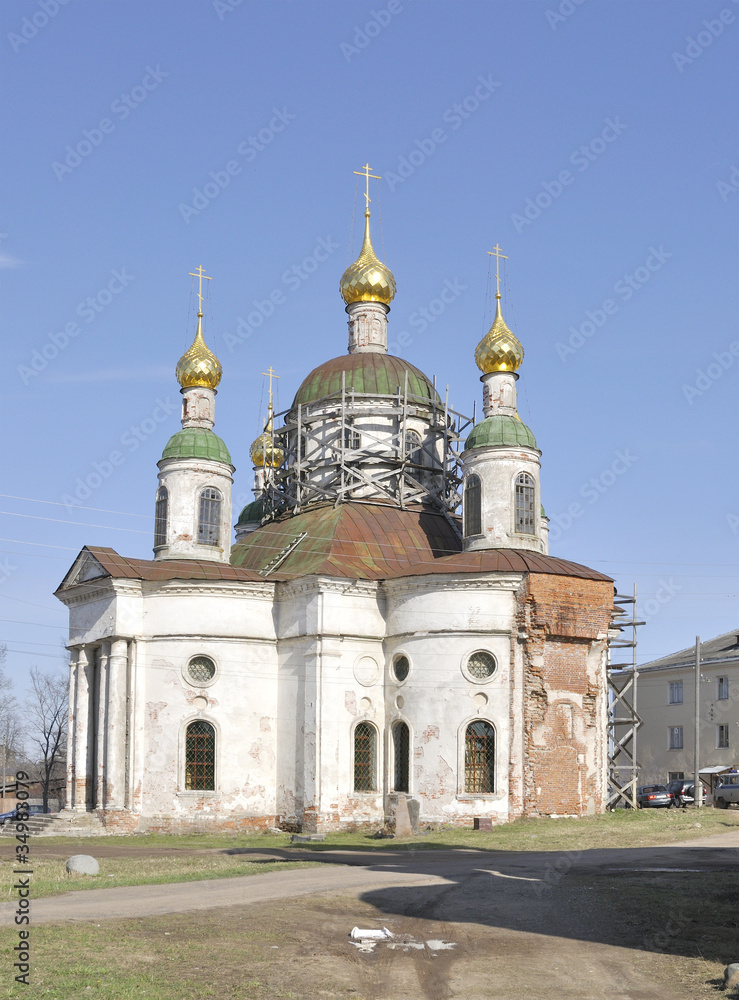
(13, 814)
(654, 797)
(726, 791)
(683, 791)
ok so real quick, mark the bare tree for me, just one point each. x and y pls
(46, 725)
(10, 729)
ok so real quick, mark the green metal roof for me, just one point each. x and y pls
(252, 513)
(197, 442)
(500, 429)
(371, 373)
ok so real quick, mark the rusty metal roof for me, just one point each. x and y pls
(376, 541)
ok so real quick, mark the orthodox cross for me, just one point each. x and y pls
(270, 373)
(365, 172)
(495, 252)
(200, 274)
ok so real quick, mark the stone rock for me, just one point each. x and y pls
(414, 812)
(731, 976)
(83, 864)
(403, 827)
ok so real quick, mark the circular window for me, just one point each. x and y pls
(401, 668)
(481, 665)
(201, 669)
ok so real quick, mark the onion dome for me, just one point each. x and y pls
(199, 366)
(264, 452)
(367, 279)
(253, 512)
(499, 350)
(197, 442)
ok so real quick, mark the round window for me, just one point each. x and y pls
(201, 669)
(481, 665)
(401, 668)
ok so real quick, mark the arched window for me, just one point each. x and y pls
(209, 522)
(365, 757)
(352, 439)
(161, 514)
(472, 506)
(413, 449)
(200, 757)
(479, 758)
(401, 754)
(525, 496)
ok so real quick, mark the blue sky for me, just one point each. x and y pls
(596, 142)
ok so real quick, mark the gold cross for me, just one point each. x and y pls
(270, 373)
(365, 172)
(495, 252)
(200, 275)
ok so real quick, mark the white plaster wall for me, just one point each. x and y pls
(185, 478)
(498, 468)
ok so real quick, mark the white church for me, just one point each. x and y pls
(356, 641)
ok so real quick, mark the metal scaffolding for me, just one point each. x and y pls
(623, 718)
(333, 453)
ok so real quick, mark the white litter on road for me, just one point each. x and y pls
(371, 934)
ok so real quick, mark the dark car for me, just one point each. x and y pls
(13, 814)
(654, 797)
(683, 791)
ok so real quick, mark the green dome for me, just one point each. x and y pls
(252, 513)
(375, 374)
(197, 442)
(500, 429)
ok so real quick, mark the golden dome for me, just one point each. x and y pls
(199, 365)
(367, 279)
(499, 350)
(264, 452)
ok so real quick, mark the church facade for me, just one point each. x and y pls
(357, 642)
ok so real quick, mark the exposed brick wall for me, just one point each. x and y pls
(563, 623)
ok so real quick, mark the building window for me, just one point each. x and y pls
(676, 692)
(401, 668)
(412, 442)
(352, 439)
(161, 512)
(481, 665)
(723, 689)
(525, 491)
(200, 757)
(365, 758)
(201, 669)
(676, 737)
(209, 524)
(472, 506)
(479, 758)
(401, 754)
(676, 775)
(722, 736)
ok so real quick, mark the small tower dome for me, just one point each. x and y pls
(367, 279)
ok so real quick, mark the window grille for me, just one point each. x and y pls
(209, 524)
(722, 736)
(201, 668)
(161, 513)
(413, 449)
(676, 737)
(676, 775)
(352, 439)
(365, 757)
(481, 665)
(676, 692)
(200, 757)
(479, 758)
(525, 495)
(401, 751)
(401, 668)
(723, 689)
(472, 506)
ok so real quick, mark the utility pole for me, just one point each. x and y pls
(697, 788)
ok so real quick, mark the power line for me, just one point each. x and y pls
(56, 503)
(81, 524)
